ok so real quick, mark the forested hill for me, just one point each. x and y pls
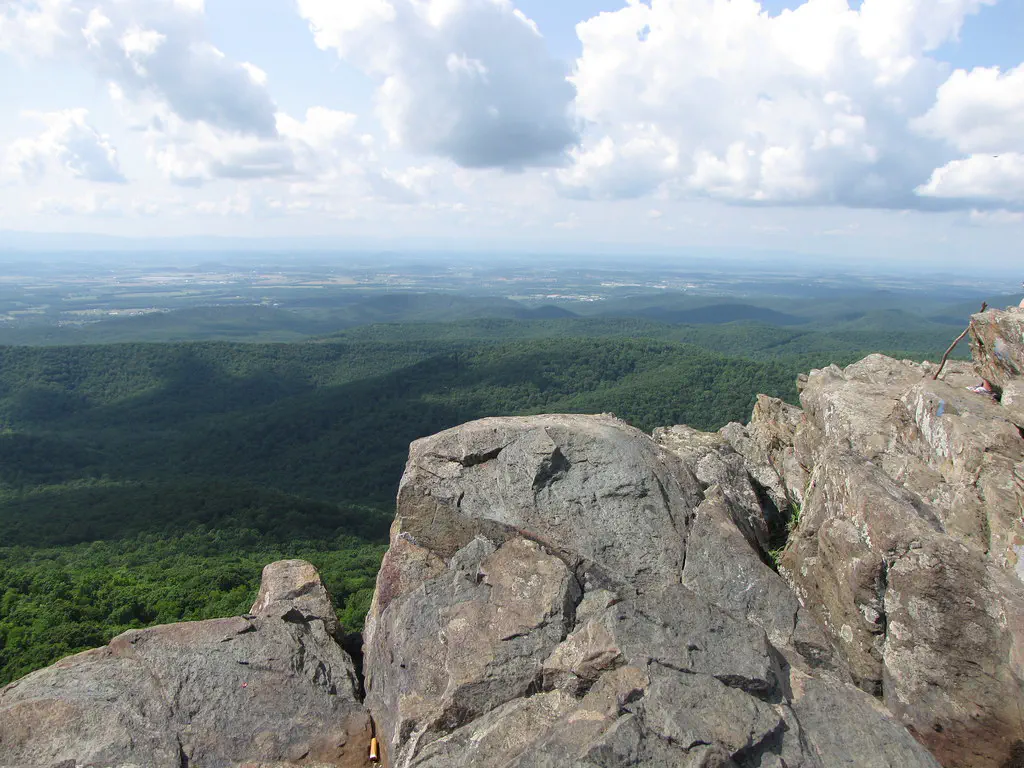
(148, 483)
(330, 422)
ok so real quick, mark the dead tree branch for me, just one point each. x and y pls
(945, 357)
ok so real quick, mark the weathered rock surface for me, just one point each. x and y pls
(268, 688)
(997, 345)
(909, 546)
(291, 589)
(667, 637)
(498, 476)
(563, 591)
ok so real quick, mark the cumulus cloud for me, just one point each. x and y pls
(153, 48)
(822, 105)
(203, 115)
(979, 111)
(68, 142)
(469, 80)
(323, 144)
(979, 178)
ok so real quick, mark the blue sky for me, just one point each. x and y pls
(888, 129)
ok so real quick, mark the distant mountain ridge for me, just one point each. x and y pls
(314, 315)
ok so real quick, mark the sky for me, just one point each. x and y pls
(878, 130)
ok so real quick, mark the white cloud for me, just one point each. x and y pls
(816, 105)
(152, 49)
(900, 30)
(674, 100)
(322, 145)
(469, 80)
(30, 29)
(203, 116)
(980, 178)
(981, 111)
(69, 142)
(410, 184)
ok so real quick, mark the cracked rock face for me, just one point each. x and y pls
(564, 591)
(268, 688)
(909, 548)
(575, 482)
(292, 588)
(909, 552)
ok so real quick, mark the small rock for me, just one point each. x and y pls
(294, 585)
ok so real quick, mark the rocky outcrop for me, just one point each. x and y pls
(908, 548)
(908, 551)
(291, 589)
(564, 591)
(837, 584)
(997, 345)
(269, 688)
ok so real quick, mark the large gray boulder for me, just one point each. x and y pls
(271, 687)
(909, 546)
(579, 483)
(997, 345)
(552, 597)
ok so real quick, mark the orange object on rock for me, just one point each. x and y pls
(374, 751)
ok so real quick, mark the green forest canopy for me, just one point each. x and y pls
(150, 483)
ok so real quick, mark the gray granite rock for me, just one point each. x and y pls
(217, 694)
(564, 591)
(725, 570)
(909, 544)
(292, 588)
(997, 345)
(592, 487)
